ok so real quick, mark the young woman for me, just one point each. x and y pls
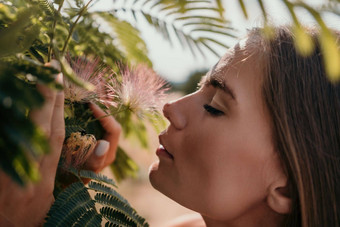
(257, 145)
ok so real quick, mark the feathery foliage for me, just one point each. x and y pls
(183, 20)
(74, 206)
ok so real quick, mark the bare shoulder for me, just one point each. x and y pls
(189, 220)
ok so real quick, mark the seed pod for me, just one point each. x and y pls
(77, 147)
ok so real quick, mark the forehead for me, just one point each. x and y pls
(241, 68)
(235, 59)
(251, 50)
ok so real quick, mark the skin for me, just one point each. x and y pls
(223, 166)
(28, 206)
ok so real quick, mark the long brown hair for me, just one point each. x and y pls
(305, 110)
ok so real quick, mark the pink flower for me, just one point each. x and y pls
(140, 89)
(90, 71)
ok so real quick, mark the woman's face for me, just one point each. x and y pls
(218, 157)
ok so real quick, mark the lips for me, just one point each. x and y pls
(163, 152)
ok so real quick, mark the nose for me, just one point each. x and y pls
(174, 112)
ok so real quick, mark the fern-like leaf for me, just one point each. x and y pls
(116, 218)
(120, 206)
(243, 7)
(99, 187)
(70, 206)
(72, 125)
(88, 219)
(128, 37)
(75, 207)
(97, 177)
(63, 198)
(48, 8)
(188, 14)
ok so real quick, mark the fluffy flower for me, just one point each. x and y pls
(90, 71)
(140, 89)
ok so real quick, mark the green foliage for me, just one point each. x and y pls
(123, 166)
(70, 206)
(82, 120)
(128, 37)
(74, 206)
(183, 20)
(19, 35)
(96, 176)
(99, 187)
(21, 142)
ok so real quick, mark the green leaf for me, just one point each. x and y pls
(21, 141)
(116, 218)
(263, 10)
(331, 55)
(192, 9)
(303, 42)
(243, 7)
(73, 125)
(157, 121)
(128, 37)
(89, 218)
(123, 166)
(202, 19)
(47, 7)
(176, 10)
(70, 206)
(97, 177)
(79, 118)
(99, 187)
(123, 208)
(19, 35)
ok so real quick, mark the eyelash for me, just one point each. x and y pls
(213, 111)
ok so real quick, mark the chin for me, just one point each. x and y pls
(157, 178)
(153, 169)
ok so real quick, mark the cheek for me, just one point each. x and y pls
(228, 169)
(235, 184)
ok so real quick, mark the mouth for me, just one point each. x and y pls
(162, 152)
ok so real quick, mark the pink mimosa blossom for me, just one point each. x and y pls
(140, 89)
(89, 71)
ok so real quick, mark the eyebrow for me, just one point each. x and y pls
(217, 82)
(221, 84)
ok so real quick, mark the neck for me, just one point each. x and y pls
(262, 216)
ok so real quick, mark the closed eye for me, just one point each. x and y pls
(213, 111)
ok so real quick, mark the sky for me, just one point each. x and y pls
(175, 63)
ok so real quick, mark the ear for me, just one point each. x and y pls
(278, 198)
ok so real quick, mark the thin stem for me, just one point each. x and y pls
(73, 27)
(119, 110)
(98, 118)
(292, 13)
(53, 31)
(316, 16)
